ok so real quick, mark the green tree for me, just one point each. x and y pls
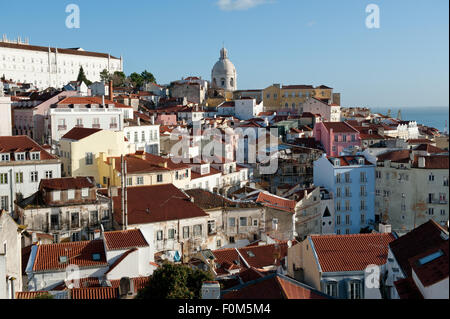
(82, 77)
(105, 76)
(148, 77)
(171, 281)
(136, 79)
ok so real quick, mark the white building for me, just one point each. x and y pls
(247, 108)
(145, 137)
(52, 67)
(5, 114)
(23, 163)
(88, 112)
(10, 256)
(223, 75)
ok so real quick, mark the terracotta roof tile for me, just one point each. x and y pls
(340, 127)
(338, 253)
(78, 133)
(151, 204)
(95, 293)
(67, 183)
(22, 143)
(276, 202)
(77, 253)
(124, 239)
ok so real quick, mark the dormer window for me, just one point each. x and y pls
(85, 192)
(35, 156)
(5, 157)
(71, 194)
(20, 156)
(56, 195)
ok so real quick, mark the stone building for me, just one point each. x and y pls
(223, 75)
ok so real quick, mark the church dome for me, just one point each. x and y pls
(223, 74)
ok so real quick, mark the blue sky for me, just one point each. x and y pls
(403, 63)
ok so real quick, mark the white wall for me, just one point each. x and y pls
(5, 115)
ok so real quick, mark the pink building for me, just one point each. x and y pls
(29, 115)
(336, 136)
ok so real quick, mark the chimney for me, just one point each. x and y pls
(111, 92)
(152, 119)
(421, 162)
(103, 101)
(138, 121)
(385, 228)
(210, 290)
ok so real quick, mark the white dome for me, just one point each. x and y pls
(223, 74)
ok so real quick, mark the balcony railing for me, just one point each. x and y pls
(113, 125)
(95, 125)
(62, 127)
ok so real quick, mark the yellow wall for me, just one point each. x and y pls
(109, 142)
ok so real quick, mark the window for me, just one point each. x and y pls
(56, 195)
(19, 177)
(129, 181)
(232, 222)
(171, 234)
(5, 157)
(197, 230)
(4, 178)
(255, 222)
(442, 212)
(338, 220)
(20, 157)
(355, 290)
(347, 220)
(34, 177)
(84, 192)
(4, 202)
(336, 138)
(338, 206)
(363, 192)
(243, 221)
(275, 223)
(378, 174)
(159, 235)
(35, 156)
(75, 219)
(143, 136)
(430, 211)
(219, 243)
(363, 177)
(331, 288)
(344, 138)
(338, 178)
(159, 178)
(363, 219)
(185, 232)
(49, 174)
(89, 158)
(140, 180)
(71, 194)
(211, 227)
(136, 137)
(338, 192)
(231, 240)
(347, 178)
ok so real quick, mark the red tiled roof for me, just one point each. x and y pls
(273, 287)
(151, 204)
(78, 253)
(78, 133)
(419, 141)
(348, 160)
(407, 289)
(29, 294)
(88, 100)
(139, 283)
(95, 293)
(433, 271)
(423, 238)
(395, 156)
(65, 183)
(124, 239)
(432, 162)
(430, 149)
(22, 143)
(276, 202)
(337, 253)
(340, 127)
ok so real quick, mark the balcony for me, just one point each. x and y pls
(348, 194)
(95, 125)
(348, 181)
(363, 194)
(62, 127)
(363, 180)
(113, 125)
(79, 125)
(438, 201)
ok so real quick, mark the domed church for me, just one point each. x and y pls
(223, 75)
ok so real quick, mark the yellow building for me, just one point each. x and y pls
(291, 97)
(80, 149)
(143, 169)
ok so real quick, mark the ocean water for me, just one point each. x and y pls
(434, 116)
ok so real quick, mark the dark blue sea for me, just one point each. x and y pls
(434, 116)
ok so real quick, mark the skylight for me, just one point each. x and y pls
(96, 257)
(62, 259)
(430, 258)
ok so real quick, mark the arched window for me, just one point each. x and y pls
(223, 82)
(232, 82)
